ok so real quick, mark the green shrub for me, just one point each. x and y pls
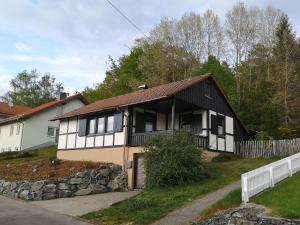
(53, 161)
(16, 155)
(8, 155)
(172, 159)
(140, 203)
(225, 157)
(27, 154)
(88, 164)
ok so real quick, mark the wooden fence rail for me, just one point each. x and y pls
(267, 148)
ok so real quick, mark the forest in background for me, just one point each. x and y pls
(253, 55)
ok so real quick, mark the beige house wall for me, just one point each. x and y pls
(116, 155)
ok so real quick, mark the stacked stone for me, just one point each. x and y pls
(246, 216)
(106, 178)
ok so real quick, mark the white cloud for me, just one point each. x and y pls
(24, 58)
(22, 47)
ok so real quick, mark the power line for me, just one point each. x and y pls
(128, 20)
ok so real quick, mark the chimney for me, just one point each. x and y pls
(62, 95)
(143, 87)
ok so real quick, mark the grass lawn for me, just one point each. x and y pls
(152, 205)
(283, 199)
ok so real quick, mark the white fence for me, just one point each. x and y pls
(267, 148)
(267, 176)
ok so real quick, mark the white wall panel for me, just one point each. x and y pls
(63, 127)
(80, 142)
(119, 138)
(229, 143)
(90, 142)
(62, 141)
(71, 141)
(72, 125)
(221, 144)
(99, 141)
(108, 140)
(8, 141)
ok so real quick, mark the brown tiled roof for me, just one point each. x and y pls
(159, 92)
(43, 107)
(7, 110)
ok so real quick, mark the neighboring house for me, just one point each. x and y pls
(8, 110)
(32, 129)
(114, 129)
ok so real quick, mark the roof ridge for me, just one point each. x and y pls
(151, 88)
(136, 97)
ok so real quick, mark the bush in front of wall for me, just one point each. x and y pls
(53, 161)
(172, 159)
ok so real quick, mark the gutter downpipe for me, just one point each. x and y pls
(21, 133)
(125, 156)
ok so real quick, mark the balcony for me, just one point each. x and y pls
(139, 139)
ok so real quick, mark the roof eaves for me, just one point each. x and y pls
(54, 104)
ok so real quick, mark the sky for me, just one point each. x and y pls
(72, 39)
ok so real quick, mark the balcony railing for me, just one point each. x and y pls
(139, 139)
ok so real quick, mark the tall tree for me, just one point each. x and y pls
(213, 34)
(287, 56)
(190, 37)
(28, 90)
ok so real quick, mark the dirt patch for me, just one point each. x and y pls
(41, 170)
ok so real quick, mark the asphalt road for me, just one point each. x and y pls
(16, 212)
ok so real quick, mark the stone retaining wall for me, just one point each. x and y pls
(251, 215)
(105, 178)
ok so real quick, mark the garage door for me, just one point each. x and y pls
(139, 171)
